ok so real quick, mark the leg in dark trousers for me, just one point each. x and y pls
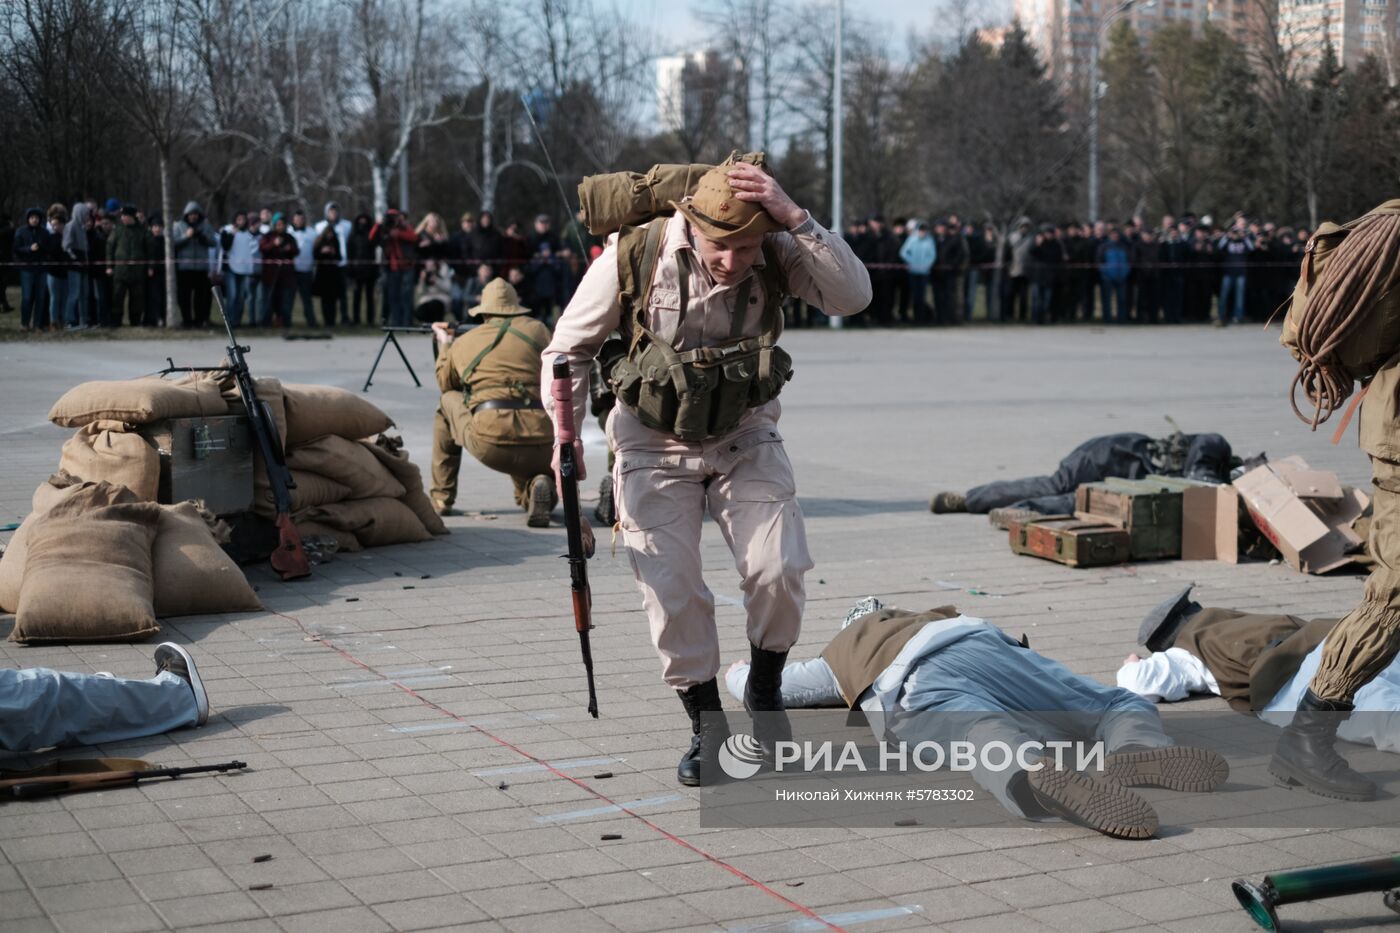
(186, 281)
(1124, 455)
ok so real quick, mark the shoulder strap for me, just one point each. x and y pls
(775, 292)
(471, 367)
(534, 344)
(637, 250)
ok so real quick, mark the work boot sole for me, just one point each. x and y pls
(541, 503)
(1088, 801)
(1290, 775)
(1176, 767)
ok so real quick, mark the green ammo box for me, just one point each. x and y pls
(1146, 509)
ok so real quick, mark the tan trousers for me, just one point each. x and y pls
(663, 488)
(452, 430)
(1365, 642)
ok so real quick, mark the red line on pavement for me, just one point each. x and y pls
(749, 879)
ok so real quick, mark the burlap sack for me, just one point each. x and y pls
(625, 199)
(56, 489)
(389, 452)
(87, 574)
(139, 401)
(270, 391)
(314, 410)
(348, 463)
(374, 522)
(192, 574)
(312, 489)
(104, 451)
(346, 540)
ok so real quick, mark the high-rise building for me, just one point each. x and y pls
(703, 94)
(1065, 31)
(1356, 28)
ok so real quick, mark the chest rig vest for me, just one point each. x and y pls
(701, 393)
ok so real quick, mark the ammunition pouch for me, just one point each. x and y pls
(703, 393)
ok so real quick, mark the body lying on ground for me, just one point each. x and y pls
(905, 669)
(1260, 663)
(1205, 457)
(42, 708)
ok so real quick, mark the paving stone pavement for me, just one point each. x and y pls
(394, 741)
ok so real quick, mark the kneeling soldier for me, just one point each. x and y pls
(491, 404)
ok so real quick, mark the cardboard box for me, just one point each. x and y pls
(1296, 510)
(1210, 518)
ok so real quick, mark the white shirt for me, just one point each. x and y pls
(305, 260)
(1169, 676)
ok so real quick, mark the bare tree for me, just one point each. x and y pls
(151, 72)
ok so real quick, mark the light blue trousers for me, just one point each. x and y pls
(40, 708)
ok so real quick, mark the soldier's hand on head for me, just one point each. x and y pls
(751, 183)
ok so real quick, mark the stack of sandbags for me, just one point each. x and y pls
(106, 448)
(94, 563)
(353, 484)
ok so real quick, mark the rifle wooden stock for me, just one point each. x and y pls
(31, 785)
(562, 392)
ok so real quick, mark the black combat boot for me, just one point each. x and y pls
(1305, 754)
(944, 502)
(708, 732)
(764, 694)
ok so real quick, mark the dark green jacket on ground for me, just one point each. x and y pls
(128, 252)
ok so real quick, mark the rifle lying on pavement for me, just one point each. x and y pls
(89, 774)
(289, 559)
(563, 392)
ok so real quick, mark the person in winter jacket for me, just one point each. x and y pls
(194, 241)
(75, 243)
(330, 302)
(305, 263)
(129, 268)
(919, 253)
(1114, 263)
(31, 252)
(362, 266)
(396, 238)
(279, 278)
(238, 248)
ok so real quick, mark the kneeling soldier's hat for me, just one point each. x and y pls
(717, 213)
(498, 299)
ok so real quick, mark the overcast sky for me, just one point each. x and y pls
(895, 20)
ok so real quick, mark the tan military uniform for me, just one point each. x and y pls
(664, 485)
(1365, 642)
(498, 362)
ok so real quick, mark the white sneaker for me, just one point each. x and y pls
(171, 657)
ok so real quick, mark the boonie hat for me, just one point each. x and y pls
(498, 298)
(717, 213)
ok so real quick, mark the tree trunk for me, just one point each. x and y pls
(488, 152)
(379, 179)
(167, 210)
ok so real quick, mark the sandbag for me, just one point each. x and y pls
(139, 401)
(315, 410)
(346, 541)
(87, 574)
(348, 463)
(50, 493)
(104, 451)
(312, 489)
(192, 574)
(374, 522)
(54, 490)
(269, 391)
(389, 452)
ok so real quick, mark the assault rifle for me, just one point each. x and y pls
(563, 392)
(289, 559)
(32, 784)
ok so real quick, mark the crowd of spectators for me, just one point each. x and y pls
(103, 266)
(1184, 269)
(96, 266)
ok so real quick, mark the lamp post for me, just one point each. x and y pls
(1095, 92)
(836, 119)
